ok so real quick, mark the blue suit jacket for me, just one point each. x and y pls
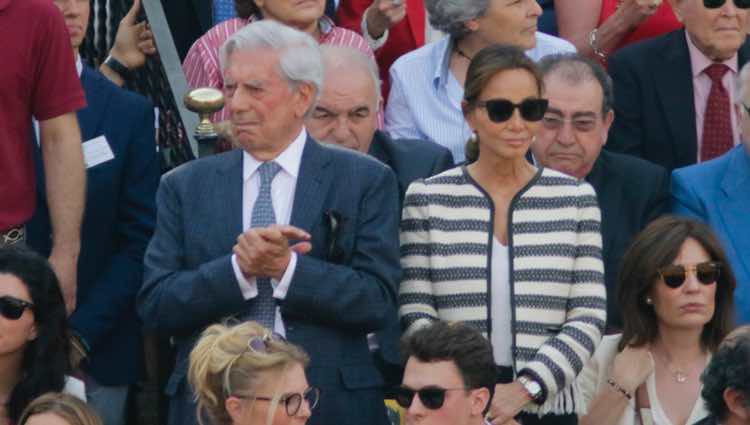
(332, 303)
(118, 223)
(718, 193)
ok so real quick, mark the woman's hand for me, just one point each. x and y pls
(507, 402)
(634, 12)
(631, 368)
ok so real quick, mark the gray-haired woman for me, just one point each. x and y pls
(427, 84)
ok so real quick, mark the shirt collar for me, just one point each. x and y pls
(79, 64)
(289, 160)
(441, 61)
(699, 62)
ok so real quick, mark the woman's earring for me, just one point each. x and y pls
(649, 301)
(474, 138)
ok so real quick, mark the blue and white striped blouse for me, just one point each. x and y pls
(425, 98)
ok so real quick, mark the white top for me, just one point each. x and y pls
(500, 336)
(282, 197)
(594, 376)
(75, 387)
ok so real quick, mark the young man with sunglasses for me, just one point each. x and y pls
(674, 92)
(449, 377)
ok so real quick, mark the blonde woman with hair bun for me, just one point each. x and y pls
(58, 409)
(244, 374)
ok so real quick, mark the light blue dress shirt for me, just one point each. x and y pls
(425, 98)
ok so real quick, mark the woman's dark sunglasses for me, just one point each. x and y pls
(431, 397)
(715, 4)
(500, 110)
(12, 308)
(707, 273)
(293, 401)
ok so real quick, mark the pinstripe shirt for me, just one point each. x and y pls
(201, 64)
(425, 98)
(558, 299)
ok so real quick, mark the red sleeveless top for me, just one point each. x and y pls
(661, 22)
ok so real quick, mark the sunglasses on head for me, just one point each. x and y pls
(715, 4)
(500, 110)
(707, 273)
(431, 397)
(12, 308)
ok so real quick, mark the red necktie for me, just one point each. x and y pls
(717, 122)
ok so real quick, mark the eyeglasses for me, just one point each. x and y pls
(293, 401)
(500, 110)
(707, 273)
(431, 397)
(583, 125)
(12, 308)
(715, 4)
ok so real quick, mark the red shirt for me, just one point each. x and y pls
(661, 22)
(37, 78)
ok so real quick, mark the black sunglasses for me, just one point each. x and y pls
(715, 4)
(293, 401)
(431, 397)
(500, 110)
(12, 308)
(707, 273)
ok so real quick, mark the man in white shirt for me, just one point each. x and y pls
(298, 236)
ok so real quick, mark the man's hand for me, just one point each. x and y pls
(507, 402)
(383, 14)
(266, 252)
(133, 40)
(65, 266)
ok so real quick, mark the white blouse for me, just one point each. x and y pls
(501, 335)
(593, 379)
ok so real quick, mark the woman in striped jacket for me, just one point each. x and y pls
(513, 249)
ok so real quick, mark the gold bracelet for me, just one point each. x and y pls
(594, 44)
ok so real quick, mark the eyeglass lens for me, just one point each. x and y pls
(715, 4)
(500, 110)
(706, 273)
(12, 308)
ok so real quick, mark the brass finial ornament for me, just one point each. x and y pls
(205, 101)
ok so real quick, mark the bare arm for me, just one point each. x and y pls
(66, 187)
(577, 18)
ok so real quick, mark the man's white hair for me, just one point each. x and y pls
(300, 59)
(339, 58)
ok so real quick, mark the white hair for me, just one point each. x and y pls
(341, 58)
(299, 62)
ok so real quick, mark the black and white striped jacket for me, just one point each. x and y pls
(558, 304)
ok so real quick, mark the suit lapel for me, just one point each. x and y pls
(734, 209)
(97, 97)
(312, 184)
(609, 198)
(674, 86)
(205, 13)
(228, 206)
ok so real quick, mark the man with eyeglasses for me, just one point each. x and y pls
(631, 192)
(449, 377)
(718, 193)
(674, 92)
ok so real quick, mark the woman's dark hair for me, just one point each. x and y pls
(45, 359)
(728, 368)
(655, 247)
(246, 8)
(457, 342)
(489, 62)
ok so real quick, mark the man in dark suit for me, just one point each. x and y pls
(122, 167)
(299, 236)
(631, 191)
(346, 115)
(668, 109)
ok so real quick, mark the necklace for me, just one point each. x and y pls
(678, 374)
(462, 54)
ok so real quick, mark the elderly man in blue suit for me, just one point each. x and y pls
(298, 236)
(122, 168)
(718, 192)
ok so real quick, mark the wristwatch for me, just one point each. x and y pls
(118, 67)
(532, 387)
